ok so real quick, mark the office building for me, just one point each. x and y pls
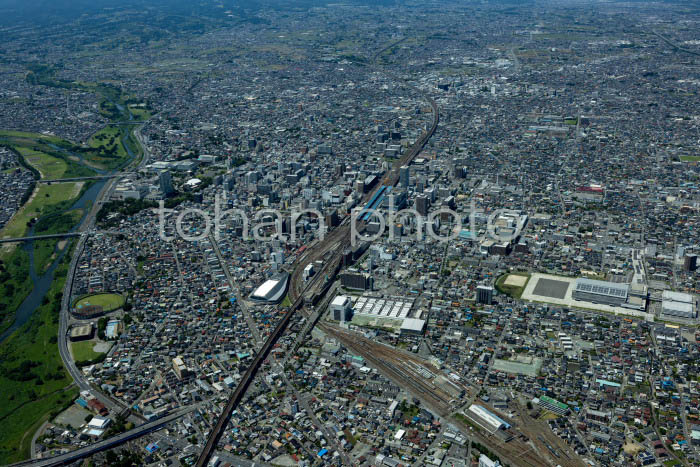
(356, 281)
(404, 176)
(422, 205)
(166, 183)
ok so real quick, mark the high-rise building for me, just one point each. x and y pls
(181, 370)
(166, 182)
(484, 294)
(422, 204)
(690, 262)
(404, 176)
(277, 257)
(356, 281)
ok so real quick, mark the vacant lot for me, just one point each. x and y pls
(551, 288)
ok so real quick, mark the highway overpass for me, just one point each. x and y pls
(40, 237)
(110, 443)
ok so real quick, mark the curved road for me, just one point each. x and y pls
(86, 226)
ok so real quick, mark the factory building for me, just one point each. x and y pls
(391, 307)
(678, 305)
(607, 293)
(552, 405)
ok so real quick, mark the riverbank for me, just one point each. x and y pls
(34, 383)
(33, 380)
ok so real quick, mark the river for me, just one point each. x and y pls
(42, 282)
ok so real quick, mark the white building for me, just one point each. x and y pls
(485, 461)
(678, 305)
(341, 307)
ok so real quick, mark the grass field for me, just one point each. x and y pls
(108, 301)
(140, 113)
(33, 381)
(48, 161)
(83, 350)
(46, 199)
(690, 158)
(49, 167)
(108, 138)
(109, 151)
(286, 302)
(512, 290)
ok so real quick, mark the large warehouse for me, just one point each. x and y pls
(607, 293)
(678, 305)
(272, 290)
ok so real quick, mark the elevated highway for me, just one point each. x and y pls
(331, 249)
(73, 456)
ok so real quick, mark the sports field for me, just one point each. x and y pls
(84, 350)
(108, 301)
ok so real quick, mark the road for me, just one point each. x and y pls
(64, 320)
(674, 45)
(331, 249)
(252, 325)
(40, 237)
(112, 442)
(78, 179)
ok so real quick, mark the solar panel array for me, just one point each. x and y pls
(599, 289)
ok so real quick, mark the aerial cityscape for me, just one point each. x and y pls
(365, 233)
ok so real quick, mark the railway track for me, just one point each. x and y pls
(335, 242)
(394, 361)
(541, 435)
(391, 363)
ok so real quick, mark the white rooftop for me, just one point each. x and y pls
(265, 288)
(340, 300)
(413, 324)
(677, 296)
